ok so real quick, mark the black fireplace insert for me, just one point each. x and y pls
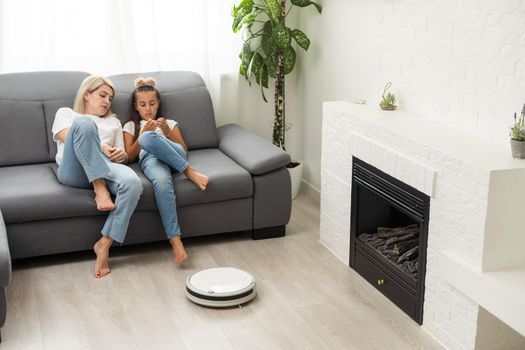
(388, 236)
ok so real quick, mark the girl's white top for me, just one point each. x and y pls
(129, 127)
(109, 129)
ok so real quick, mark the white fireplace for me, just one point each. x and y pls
(475, 273)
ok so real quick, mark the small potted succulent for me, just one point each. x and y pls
(388, 99)
(517, 135)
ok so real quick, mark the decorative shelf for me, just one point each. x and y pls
(499, 292)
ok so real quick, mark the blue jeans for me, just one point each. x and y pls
(160, 157)
(83, 162)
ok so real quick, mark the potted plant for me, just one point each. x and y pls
(388, 99)
(517, 136)
(268, 52)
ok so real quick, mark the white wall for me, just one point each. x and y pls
(461, 62)
(340, 64)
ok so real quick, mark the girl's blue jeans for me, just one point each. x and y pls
(160, 157)
(83, 162)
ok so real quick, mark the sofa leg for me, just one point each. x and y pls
(269, 232)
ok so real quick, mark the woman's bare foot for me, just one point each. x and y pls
(102, 196)
(104, 202)
(101, 249)
(197, 178)
(179, 253)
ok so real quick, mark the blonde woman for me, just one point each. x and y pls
(90, 154)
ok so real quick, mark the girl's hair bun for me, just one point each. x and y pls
(149, 81)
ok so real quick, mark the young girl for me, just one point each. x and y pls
(160, 147)
(90, 153)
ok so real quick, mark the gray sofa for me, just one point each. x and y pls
(249, 188)
(5, 270)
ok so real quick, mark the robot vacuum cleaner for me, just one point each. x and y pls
(220, 287)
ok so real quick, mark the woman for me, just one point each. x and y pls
(160, 147)
(90, 154)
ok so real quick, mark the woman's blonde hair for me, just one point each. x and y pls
(91, 84)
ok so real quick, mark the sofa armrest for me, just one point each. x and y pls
(5, 256)
(250, 151)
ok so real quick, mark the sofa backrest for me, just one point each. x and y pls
(29, 101)
(184, 98)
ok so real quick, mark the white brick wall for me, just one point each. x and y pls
(461, 62)
(459, 195)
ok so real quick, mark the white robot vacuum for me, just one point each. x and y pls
(220, 287)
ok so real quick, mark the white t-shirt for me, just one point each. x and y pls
(129, 127)
(109, 129)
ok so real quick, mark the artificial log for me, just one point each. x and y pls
(390, 255)
(390, 242)
(372, 240)
(387, 232)
(410, 268)
(402, 247)
(409, 255)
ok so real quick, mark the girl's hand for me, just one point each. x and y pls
(150, 125)
(163, 125)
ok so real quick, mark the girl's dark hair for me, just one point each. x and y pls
(135, 117)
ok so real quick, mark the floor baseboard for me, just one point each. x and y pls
(311, 191)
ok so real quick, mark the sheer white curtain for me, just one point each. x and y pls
(118, 36)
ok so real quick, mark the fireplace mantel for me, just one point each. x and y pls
(427, 135)
(476, 191)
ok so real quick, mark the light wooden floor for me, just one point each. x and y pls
(307, 299)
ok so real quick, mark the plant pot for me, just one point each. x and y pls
(296, 174)
(517, 148)
(388, 107)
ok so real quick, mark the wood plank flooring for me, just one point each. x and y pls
(307, 299)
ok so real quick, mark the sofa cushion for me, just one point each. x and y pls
(23, 135)
(251, 151)
(40, 86)
(32, 192)
(193, 110)
(121, 106)
(24, 111)
(50, 109)
(227, 181)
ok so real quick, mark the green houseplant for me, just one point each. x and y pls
(517, 136)
(268, 50)
(388, 99)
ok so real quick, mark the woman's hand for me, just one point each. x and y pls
(163, 125)
(105, 149)
(116, 155)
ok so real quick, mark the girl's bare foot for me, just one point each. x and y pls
(102, 196)
(197, 178)
(101, 249)
(179, 253)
